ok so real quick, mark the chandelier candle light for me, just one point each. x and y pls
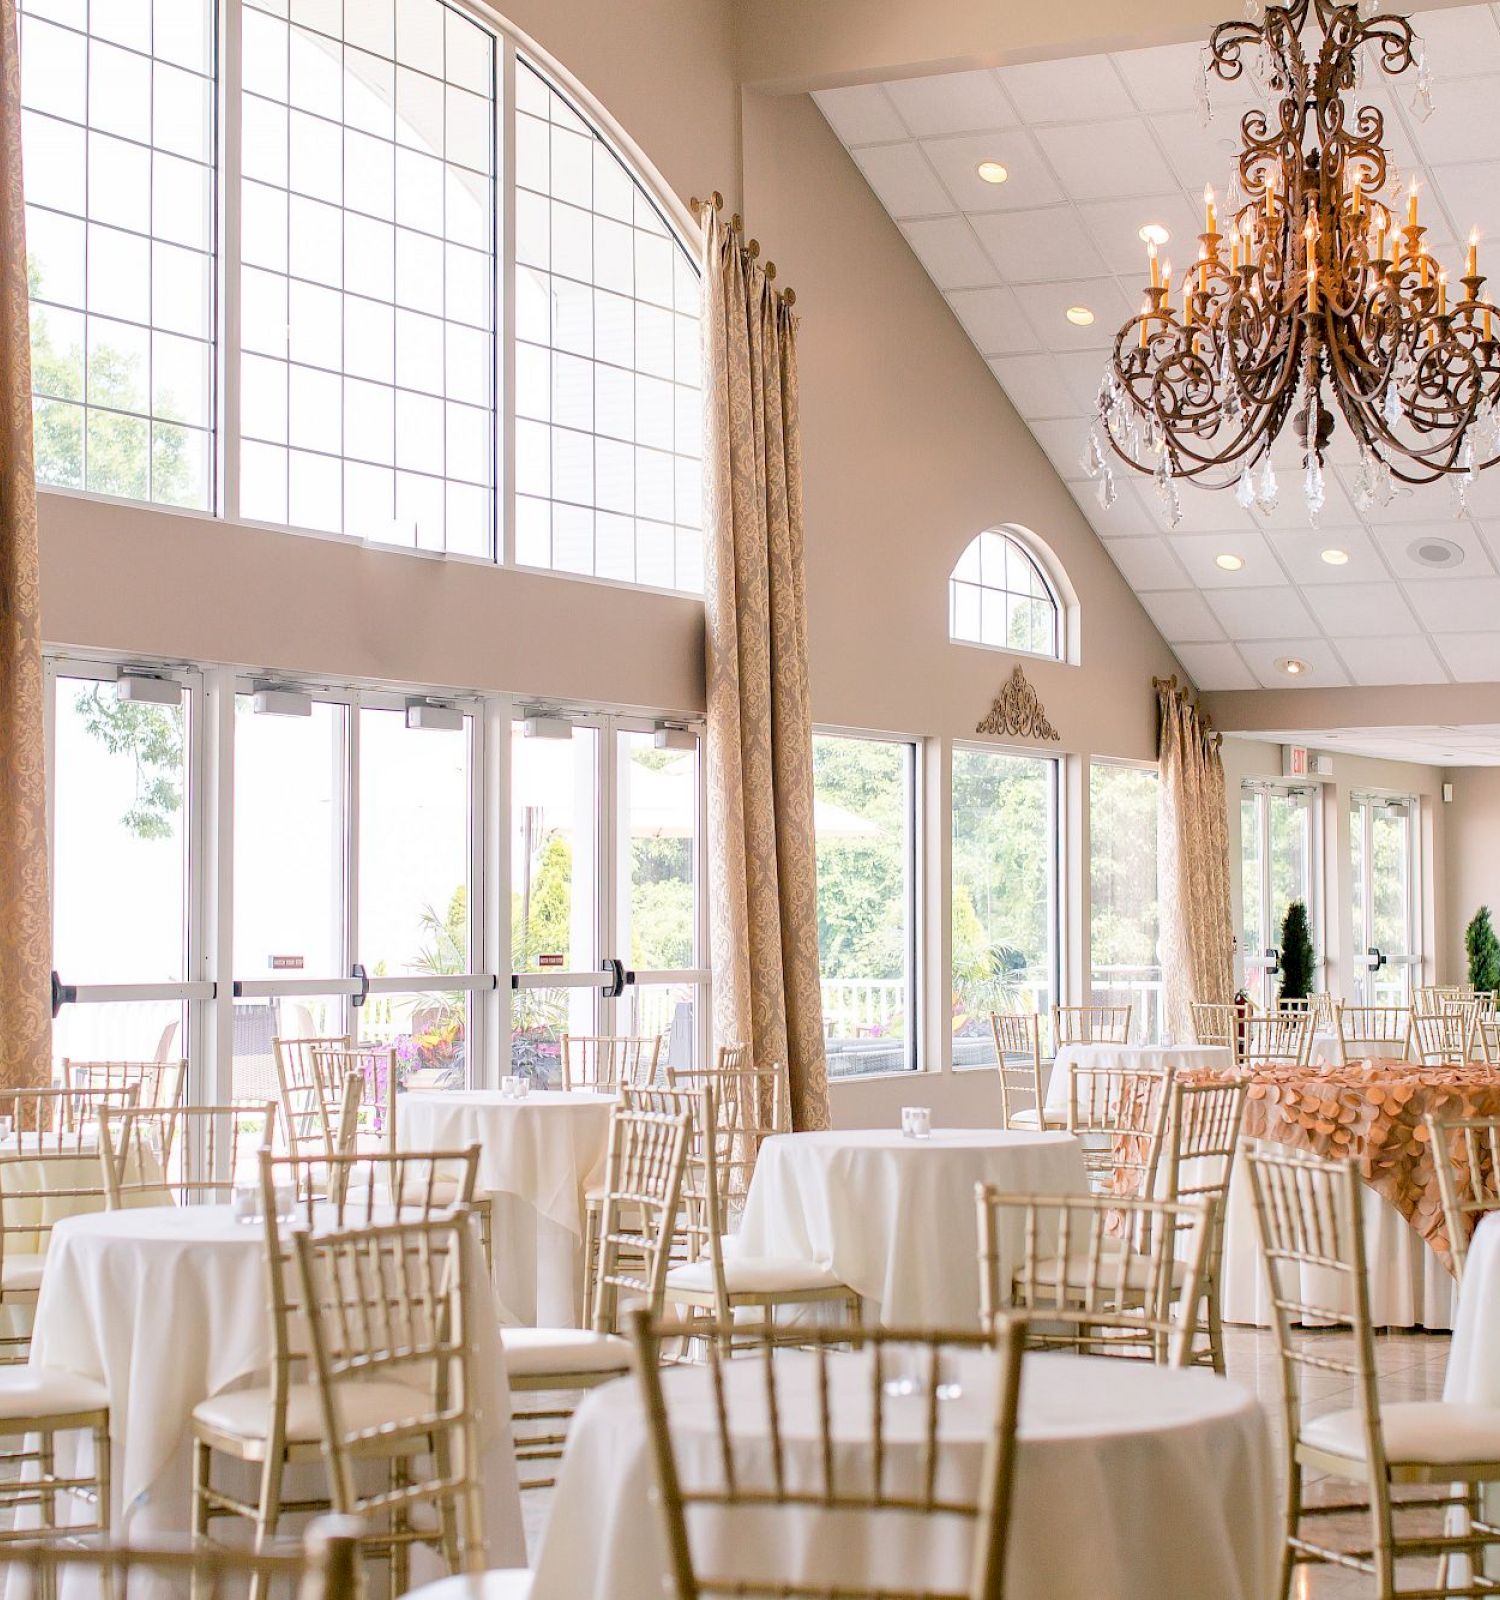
(1318, 299)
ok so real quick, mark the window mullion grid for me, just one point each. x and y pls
(608, 864)
(227, 195)
(504, 333)
(495, 869)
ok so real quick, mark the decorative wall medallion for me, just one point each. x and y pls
(1018, 713)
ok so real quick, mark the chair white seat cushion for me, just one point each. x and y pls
(544, 1352)
(504, 1583)
(47, 1392)
(21, 1272)
(246, 1413)
(1031, 1119)
(754, 1275)
(1430, 1432)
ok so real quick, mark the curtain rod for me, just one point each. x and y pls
(752, 247)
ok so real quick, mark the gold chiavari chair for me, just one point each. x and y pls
(1311, 1221)
(1487, 1024)
(37, 1406)
(1470, 1009)
(1276, 1039)
(751, 1105)
(275, 1425)
(373, 1108)
(312, 1101)
(391, 1311)
(49, 1169)
(814, 1429)
(1095, 1274)
(156, 1083)
(1373, 1032)
(1443, 1038)
(1429, 997)
(1203, 1138)
(1214, 1023)
(164, 1156)
(1466, 1156)
(719, 1282)
(1018, 1053)
(1090, 1025)
(1120, 1118)
(323, 1568)
(642, 1194)
(606, 1063)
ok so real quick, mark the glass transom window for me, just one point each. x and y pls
(998, 596)
(608, 409)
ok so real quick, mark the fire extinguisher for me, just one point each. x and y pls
(1242, 1009)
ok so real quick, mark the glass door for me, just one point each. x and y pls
(1277, 844)
(1381, 877)
(124, 822)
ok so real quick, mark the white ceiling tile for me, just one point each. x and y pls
(1466, 122)
(1164, 78)
(861, 114)
(952, 102)
(1065, 91)
(1459, 43)
(1082, 372)
(1301, 552)
(1038, 246)
(1470, 607)
(1047, 305)
(1198, 554)
(1182, 616)
(1035, 385)
(1390, 658)
(1273, 613)
(1126, 518)
(903, 182)
(946, 246)
(1064, 439)
(995, 322)
(1323, 666)
(1398, 545)
(1115, 226)
(1215, 666)
(957, 163)
(1148, 564)
(1100, 160)
(1203, 510)
(1472, 657)
(1352, 608)
(1197, 155)
(1471, 196)
(1406, 506)
(1291, 506)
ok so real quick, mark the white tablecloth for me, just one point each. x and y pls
(1132, 1057)
(894, 1217)
(169, 1305)
(1133, 1482)
(537, 1157)
(1473, 1376)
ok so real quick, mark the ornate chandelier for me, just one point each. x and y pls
(1314, 296)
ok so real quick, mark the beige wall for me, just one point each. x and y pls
(1247, 758)
(1472, 858)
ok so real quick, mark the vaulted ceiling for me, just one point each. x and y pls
(1095, 147)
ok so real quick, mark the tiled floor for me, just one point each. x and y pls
(1411, 1368)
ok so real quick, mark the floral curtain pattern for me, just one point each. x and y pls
(1192, 841)
(763, 915)
(25, 917)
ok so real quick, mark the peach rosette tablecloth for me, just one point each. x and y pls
(1372, 1111)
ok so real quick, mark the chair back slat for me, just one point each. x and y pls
(163, 1156)
(157, 1083)
(311, 1101)
(1215, 1023)
(366, 1120)
(1378, 1032)
(1090, 1025)
(857, 1436)
(1445, 1038)
(1276, 1038)
(1018, 1051)
(1120, 1117)
(1466, 1156)
(609, 1062)
(644, 1167)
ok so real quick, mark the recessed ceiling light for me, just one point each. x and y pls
(1336, 558)
(1291, 666)
(992, 172)
(1080, 316)
(1229, 563)
(1153, 233)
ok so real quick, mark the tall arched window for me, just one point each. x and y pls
(999, 596)
(342, 232)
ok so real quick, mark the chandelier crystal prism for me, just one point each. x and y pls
(1314, 299)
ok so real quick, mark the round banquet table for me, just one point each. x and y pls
(1132, 1058)
(168, 1305)
(894, 1217)
(1473, 1376)
(538, 1156)
(1132, 1481)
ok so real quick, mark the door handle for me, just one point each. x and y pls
(616, 985)
(63, 994)
(1375, 957)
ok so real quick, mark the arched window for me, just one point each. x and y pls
(999, 596)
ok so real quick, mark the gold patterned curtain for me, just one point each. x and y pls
(763, 913)
(25, 920)
(1192, 840)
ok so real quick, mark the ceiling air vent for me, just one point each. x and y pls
(1435, 552)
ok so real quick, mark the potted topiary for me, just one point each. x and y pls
(1483, 950)
(1298, 958)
